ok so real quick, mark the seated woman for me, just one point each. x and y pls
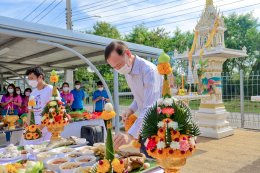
(66, 96)
(10, 102)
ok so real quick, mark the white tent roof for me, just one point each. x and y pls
(19, 48)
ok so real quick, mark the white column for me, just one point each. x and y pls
(69, 78)
(212, 115)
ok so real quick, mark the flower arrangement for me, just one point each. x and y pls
(33, 131)
(54, 114)
(110, 163)
(169, 131)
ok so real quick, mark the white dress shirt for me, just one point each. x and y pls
(145, 83)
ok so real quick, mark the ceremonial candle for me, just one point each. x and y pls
(182, 82)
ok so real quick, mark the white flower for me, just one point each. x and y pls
(192, 141)
(160, 145)
(30, 107)
(51, 109)
(51, 120)
(43, 118)
(109, 107)
(52, 98)
(160, 124)
(174, 99)
(173, 125)
(175, 145)
(66, 119)
(160, 101)
(168, 102)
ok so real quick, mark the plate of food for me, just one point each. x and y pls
(10, 153)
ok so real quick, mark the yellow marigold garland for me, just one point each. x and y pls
(118, 165)
(103, 166)
(164, 68)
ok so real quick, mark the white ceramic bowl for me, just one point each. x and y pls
(54, 163)
(86, 150)
(69, 167)
(86, 160)
(45, 155)
(72, 156)
(83, 169)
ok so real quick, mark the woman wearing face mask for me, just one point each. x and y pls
(19, 93)
(66, 96)
(26, 96)
(100, 97)
(10, 102)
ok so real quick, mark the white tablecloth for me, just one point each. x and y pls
(72, 129)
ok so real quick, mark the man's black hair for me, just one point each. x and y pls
(36, 70)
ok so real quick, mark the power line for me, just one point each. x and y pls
(89, 4)
(164, 9)
(138, 10)
(49, 11)
(76, 11)
(196, 17)
(172, 16)
(34, 9)
(44, 10)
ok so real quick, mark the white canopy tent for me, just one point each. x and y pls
(24, 44)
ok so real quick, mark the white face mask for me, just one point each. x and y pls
(11, 91)
(100, 89)
(33, 83)
(77, 86)
(27, 94)
(125, 69)
(66, 89)
(18, 92)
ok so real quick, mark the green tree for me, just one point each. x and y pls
(242, 31)
(106, 30)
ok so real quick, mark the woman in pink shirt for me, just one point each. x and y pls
(25, 99)
(66, 96)
(11, 101)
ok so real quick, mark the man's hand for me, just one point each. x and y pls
(126, 114)
(122, 139)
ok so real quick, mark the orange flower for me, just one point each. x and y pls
(130, 121)
(107, 115)
(32, 103)
(28, 136)
(175, 134)
(118, 165)
(161, 133)
(32, 128)
(53, 113)
(164, 68)
(54, 78)
(36, 135)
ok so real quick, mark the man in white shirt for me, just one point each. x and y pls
(42, 93)
(144, 81)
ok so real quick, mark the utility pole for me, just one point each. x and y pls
(68, 14)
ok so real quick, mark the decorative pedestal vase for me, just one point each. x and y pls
(171, 164)
(55, 132)
(11, 120)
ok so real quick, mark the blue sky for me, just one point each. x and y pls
(124, 14)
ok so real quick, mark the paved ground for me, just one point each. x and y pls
(239, 153)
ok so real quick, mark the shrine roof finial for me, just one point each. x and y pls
(209, 2)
